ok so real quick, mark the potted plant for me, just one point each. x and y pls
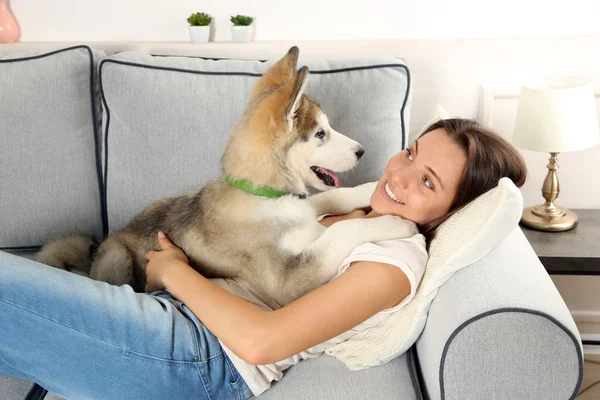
(241, 31)
(199, 27)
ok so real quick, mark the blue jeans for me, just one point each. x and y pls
(85, 339)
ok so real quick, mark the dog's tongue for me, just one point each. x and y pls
(332, 175)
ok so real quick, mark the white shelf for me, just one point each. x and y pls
(251, 50)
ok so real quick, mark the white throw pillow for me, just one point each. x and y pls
(461, 240)
(439, 113)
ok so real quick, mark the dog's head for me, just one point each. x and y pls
(284, 138)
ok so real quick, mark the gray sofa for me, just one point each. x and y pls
(78, 128)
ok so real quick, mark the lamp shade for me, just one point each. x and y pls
(557, 114)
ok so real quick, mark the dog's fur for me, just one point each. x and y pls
(275, 245)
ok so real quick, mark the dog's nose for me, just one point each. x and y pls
(359, 153)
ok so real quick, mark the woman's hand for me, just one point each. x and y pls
(161, 262)
(328, 221)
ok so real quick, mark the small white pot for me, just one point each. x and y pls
(241, 34)
(199, 34)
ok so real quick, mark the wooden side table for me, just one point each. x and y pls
(574, 252)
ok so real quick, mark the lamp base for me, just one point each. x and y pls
(537, 217)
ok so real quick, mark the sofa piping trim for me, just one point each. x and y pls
(104, 202)
(96, 128)
(412, 369)
(511, 310)
(36, 393)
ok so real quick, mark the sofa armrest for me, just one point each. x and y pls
(499, 329)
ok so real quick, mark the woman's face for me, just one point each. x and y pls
(420, 182)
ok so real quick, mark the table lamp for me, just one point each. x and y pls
(555, 114)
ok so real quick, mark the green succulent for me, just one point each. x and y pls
(241, 20)
(199, 19)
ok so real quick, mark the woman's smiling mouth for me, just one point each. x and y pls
(389, 194)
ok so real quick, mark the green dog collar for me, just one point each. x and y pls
(265, 191)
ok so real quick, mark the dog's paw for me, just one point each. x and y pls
(399, 226)
(362, 194)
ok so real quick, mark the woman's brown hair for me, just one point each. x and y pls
(489, 158)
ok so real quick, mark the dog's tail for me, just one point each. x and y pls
(72, 253)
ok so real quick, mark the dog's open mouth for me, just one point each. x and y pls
(328, 177)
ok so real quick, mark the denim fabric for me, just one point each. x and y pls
(84, 339)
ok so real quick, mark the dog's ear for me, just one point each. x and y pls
(276, 111)
(298, 86)
(280, 73)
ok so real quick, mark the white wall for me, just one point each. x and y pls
(164, 20)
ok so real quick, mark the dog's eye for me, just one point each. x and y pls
(320, 134)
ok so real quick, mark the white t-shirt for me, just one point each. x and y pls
(410, 255)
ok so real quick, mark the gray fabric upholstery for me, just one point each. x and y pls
(512, 369)
(30, 254)
(171, 142)
(49, 118)
(326, 378)
(499, 329)
(13, 389)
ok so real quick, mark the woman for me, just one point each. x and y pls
(81, 338)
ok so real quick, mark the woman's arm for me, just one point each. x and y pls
(261, 337)
(359, 293)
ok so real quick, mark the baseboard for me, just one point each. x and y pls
(587, 321)
(590, 350)
(588, 324)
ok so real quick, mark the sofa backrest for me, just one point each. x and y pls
(50, 116)
(167, 119)
(165, 123)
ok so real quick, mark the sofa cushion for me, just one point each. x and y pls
(168, 119)
(464, 238)
(49, 130)
(325, 378)
(13, 388)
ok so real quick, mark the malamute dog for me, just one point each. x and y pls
(255, 222)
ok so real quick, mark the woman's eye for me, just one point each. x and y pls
(409, 154)
(427, 182)
(320, 134)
